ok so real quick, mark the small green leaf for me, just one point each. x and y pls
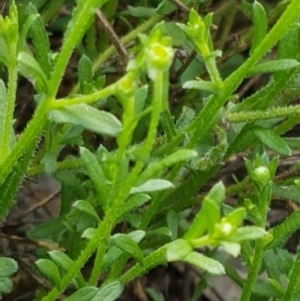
(109, 292)
(200, 84)
(47, 229)
(209, 214)
(25, 28)
(49, 269)
(271, 140)
(135, 201)
(88, 233)
(249, 233)
(260, 23)
(173, 223)
(31, 69)
(6, 285)
(152, 185)
(85, 74)
(154, 295)
(171, 29)
(293, 142)
(90, 118)
(40, 40)
(163, 231)
(205, 263)
(87, 208)
(178, 250)
(273, 66)
(3, 104)
(96, 174)
(64, 262)
(288, 192)
(83, 294)
(128, 245)
(113, 254)
(8, 267)
(231, 248)
(140, 12)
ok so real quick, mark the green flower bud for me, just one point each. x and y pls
(261, 175)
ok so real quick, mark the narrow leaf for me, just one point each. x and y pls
(49, 269)
(140, 12)
(273, 66)
(271, 140)
(87, 208)
(109, 292)
(128, 245)
(96, 174)
(205, 263)
(152, 185)
(178, 250)
(260, 23)
(31, 69)
(90, 118)
(249, 233)
(83, 294)
(135, 201)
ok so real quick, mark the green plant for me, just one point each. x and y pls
(151, 161)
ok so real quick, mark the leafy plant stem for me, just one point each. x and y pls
(253, 271)
(251, 116)
(112, 215)
(11, 97)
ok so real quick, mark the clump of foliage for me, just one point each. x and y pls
(152, 158)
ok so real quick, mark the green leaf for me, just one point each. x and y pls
(249, 233)
(260, 23)
(85, 74)
(152, 185)
(88, 233)
(128, 245)
(64, 262)
(31, 69)
(273, 66)
(96, 174)
(49, 269)
(6, 285)
(154, 295)
(25, 28)
(293, 142)
(8, 267)
(40, 40)
(231, 248)
(171, 29)
(90, 118)
(209, 214)
(271, 140)
(173, 223)
(200, 84)
(140, 12)
(113, 254)
(87, 208)
(154, 169)
(109, 292)
(205, 263)
(236, 217)
(178, 250)
(135, 201)
(83, 294)
(163, 231)
(289, 192)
